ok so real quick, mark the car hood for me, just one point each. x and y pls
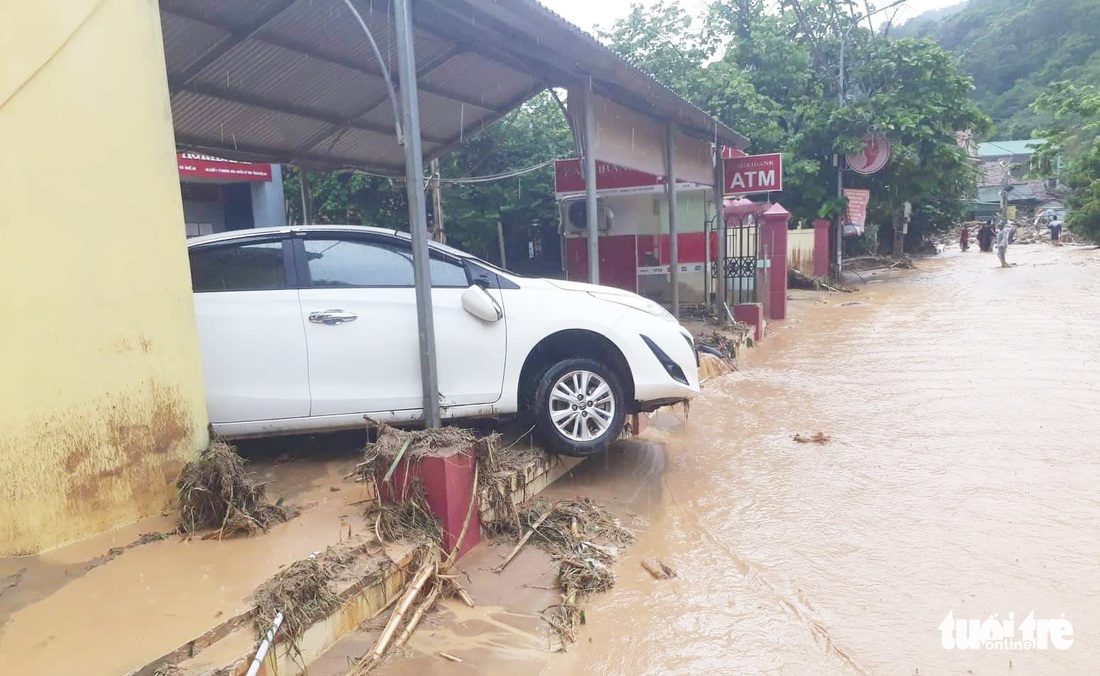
(592, 288)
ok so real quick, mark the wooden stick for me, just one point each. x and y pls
(416, 617)
(450, 657)
(658, 569)
(368, 661)
(523, 540)
(461, 591)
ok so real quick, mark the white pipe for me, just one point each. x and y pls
(264, 645)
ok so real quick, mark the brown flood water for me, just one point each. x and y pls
(963, 476)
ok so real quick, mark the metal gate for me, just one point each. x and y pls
(740, 269)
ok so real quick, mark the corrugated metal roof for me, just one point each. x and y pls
(296, 80)
(1009, 148)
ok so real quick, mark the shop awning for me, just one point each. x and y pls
(296, 80)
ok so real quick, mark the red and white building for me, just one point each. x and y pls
(634, 243)
(220, 194)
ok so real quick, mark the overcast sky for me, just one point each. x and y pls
(589, 13)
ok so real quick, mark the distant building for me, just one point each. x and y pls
(1004, 166)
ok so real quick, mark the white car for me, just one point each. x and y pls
(312, 328)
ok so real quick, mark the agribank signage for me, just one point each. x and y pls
(611, 179)
(754, 173)
(197, 165)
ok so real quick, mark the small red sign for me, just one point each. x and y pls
(568, 178)
(197, 165)
(856, 220)
(873, 157)
(753, 174)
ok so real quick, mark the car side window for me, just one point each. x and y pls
(353, 263)
(248, 266)
(446, 274)
(334, 263)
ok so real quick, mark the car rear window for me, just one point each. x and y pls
(251, 266)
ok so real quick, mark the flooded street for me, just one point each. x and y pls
(961, 477)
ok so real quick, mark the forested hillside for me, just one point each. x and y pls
(1014, 49)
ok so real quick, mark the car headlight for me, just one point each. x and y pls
(637, 303)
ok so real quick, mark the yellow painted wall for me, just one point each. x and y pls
(100, 386)
(800, 250)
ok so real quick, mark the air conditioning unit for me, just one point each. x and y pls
(574, 217)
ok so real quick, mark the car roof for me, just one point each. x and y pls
(251, 233)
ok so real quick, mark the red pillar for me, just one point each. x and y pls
(821, 247)
(447, 483)
(773, 240)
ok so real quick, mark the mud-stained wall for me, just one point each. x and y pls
(100, 386)
(800, 250)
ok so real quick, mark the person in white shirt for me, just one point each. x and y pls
(1004, 236)
(1055, 230)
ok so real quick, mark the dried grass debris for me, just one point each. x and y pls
(215, 492)
(303, 591)
(408, 521)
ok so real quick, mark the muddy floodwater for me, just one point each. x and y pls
(962, 476)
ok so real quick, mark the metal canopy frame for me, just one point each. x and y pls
(294, 81)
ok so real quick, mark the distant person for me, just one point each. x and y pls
(1055, 230)
(964, 238)
(985, 236)
(1004, 238)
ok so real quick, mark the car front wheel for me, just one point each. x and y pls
(579, 408)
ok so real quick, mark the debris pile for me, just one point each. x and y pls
(724, 340)
(406, 521)
(585, 538)
(497, 472)
(303, 592)
(817, 438)
(216, 492)
(711, 366)
(393, 444)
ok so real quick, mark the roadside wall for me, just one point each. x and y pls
(101, 396)
(800, 250)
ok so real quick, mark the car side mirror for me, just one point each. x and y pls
(480, 304)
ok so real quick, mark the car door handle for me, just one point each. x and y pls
(331, 317)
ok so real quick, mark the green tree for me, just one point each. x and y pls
(776, 82)
(531, 135)
(1072, 151)
(1013, 48)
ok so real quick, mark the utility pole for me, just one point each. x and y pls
(842, 102)
(307, 198)
(500, 243)
(437, 203)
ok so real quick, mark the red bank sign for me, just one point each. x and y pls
(609, 177)
(197, 165)
(754, 173)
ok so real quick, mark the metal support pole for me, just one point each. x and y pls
(673, 230)
(418, 215)
(500, 243)
(591, 211)
(719, 208)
